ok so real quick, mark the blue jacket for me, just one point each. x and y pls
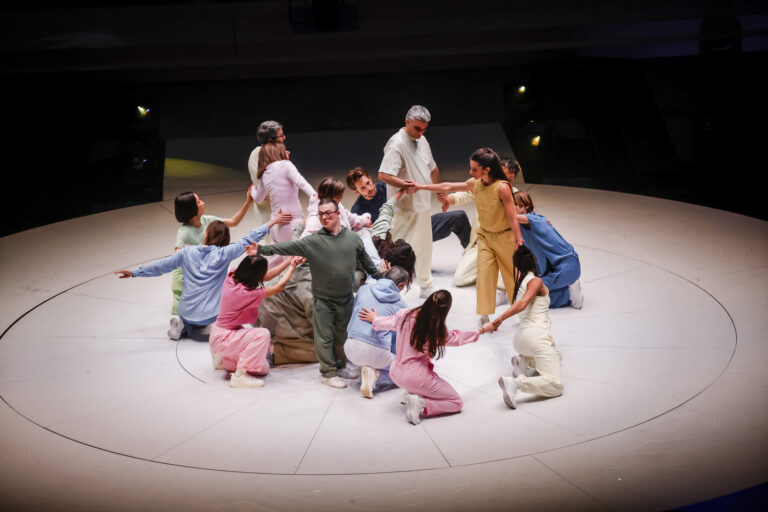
(549, 247)
(385, 297)
(205, 268)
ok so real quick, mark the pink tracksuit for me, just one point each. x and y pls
(240, 348)
(281, 181)
(412, 370)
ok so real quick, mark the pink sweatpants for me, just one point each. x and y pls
(440, 397)
(244, 349)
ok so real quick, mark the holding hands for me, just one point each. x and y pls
(297, 260)
(124, 273)
(488, 327)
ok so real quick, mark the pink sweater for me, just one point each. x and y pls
(239, 305)
(406, 354)
(281, 181)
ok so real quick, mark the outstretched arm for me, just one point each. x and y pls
(154, 268)
(274, 290)
(448, 186)
(534, 285)
(236, 218)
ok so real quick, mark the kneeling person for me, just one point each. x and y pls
(373, 350)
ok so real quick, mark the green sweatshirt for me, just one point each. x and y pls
(332, 260)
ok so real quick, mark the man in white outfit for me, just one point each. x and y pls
(408, 159)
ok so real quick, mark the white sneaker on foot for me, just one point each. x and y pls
(241, 379)
(509, 386)
(404, 399)
(367, 381)
(483, 320)
(174, 331)
(426, 292)
(520, 365)
(577, 298)
(334, 382)
(414, 404)
(501, 297)
(217, 360)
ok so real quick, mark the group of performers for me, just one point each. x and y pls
(316, 265)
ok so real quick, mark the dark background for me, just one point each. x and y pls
(664, 98)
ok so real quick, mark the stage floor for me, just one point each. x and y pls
(665, 402)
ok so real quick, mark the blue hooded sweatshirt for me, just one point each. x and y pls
(205, 268)
(385, 297)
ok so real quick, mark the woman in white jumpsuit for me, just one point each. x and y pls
(533, 339)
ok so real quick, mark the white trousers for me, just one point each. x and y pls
(365, 354)
(416, 229)
(538, 345)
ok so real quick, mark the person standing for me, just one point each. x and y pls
(332, 254)
(498, 234)
(268, 131)
(407, 159)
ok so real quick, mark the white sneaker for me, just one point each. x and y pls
(520, 365)
(217, 360)
(334, 382)
(509, 386)
(414, 404)
(174, 331)
(577, 298)
(367, 381)
(404, 399)
(426, 292)
(241, 379)
(483, 320)
(501, 297)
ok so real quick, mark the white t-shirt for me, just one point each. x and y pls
(409, 159)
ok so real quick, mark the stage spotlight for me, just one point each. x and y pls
(138, 163)
(142, 112)
(521, 89)
(535, 140)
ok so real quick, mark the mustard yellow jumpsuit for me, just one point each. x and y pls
(495, 245)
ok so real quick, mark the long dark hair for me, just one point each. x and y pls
(429, 328)
(487, 157)
(398, 253)
(251, 271)
(524, 262)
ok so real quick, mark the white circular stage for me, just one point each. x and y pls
(664, 403)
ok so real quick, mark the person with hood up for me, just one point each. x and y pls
(373, 350)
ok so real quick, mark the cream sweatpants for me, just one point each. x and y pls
(416, 229)
(537, 344)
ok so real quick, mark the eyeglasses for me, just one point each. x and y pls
(326, 214)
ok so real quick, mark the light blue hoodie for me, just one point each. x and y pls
(385, 297)
(205, 268)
